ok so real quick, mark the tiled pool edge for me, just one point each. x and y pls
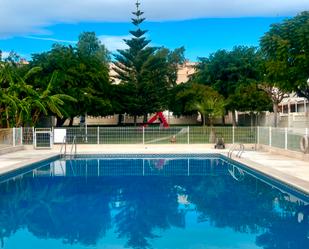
(289, 180)
(23, 167)
(258, 170)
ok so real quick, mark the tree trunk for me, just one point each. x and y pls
(203, 119)
(1, 122)
(212, 135)
(7, 118)
(60, 121)
(71, 122)
(120, 118)
(275, 109)
(234, 118)
(135, 120)
(251, 119)
(223, 119)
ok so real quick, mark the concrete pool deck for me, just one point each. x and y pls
(292, 171)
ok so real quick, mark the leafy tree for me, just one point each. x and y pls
(83, 73)
(276, 95)
(286, 49)
(46, 102)
(146, 73)
(226, 71)
(250, 98)
(20, 102)
(203, 99)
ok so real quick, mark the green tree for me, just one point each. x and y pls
(286, 49)
(226, 71)
(20, 102)
(46, 102)
(130, 67)
(250, 98)
(146, 73)
(203, 99)
(82, 72)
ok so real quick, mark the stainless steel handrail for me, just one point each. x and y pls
(233, 148)
(64, 145)
(73, 147)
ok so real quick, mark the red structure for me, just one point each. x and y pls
(160, 116)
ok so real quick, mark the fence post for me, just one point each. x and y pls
(233, 134)
(270, 136)
(21, 136)
(188, 137)
(33, 136)
(258, 134)
(14, 137)
(98, 135)
(286, 138)
(143, 134)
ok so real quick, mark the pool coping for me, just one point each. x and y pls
(258, 169)
(21, 166)
(277, 175)
(289, 180)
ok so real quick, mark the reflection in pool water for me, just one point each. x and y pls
(148, 203)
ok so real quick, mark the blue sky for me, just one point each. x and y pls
(201, 26)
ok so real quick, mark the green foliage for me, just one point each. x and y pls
(20, 103)
(249, 98)
(235, 75)
(225, 70)
(146, 73)
(199, 98)
(286, 49)
(82, 73)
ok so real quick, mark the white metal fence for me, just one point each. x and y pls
(158, 135)
(284, 138)
(11, 137)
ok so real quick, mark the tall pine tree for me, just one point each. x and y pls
(146, 74)
(131, 67)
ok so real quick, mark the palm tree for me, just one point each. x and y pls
(46, 102)
(8, 100)
(210, 107)
(20, 103)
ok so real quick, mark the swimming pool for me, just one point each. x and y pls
(149, 201)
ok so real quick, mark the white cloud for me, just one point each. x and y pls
(24, 17)
(50, 39)
(113, 43)
(5, 54)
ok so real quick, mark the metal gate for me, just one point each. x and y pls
(43, 138)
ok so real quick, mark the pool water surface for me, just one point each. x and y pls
(185, 202)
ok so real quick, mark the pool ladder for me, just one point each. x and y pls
(73, 149)
(239, 147)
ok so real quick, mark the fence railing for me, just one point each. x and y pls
(154, 135)
(284, 138)
(11, 137)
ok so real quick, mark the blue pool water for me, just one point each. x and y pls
(170, 202)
